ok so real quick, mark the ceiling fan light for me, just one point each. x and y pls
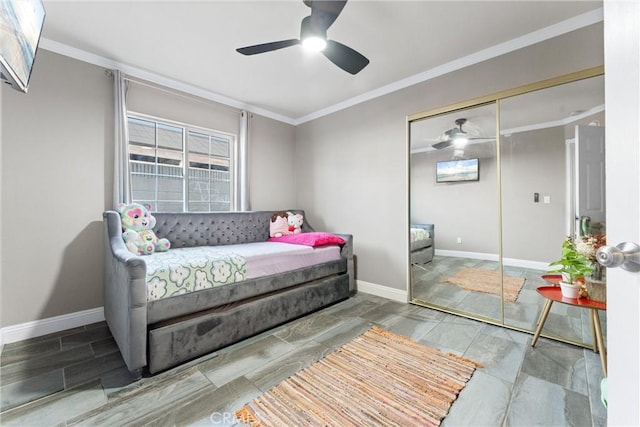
(459, 141)
(314, 44)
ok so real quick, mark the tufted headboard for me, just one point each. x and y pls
(187, 229)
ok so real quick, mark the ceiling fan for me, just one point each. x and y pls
(313, 33)
(456, 136)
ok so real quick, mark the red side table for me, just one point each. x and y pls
(554, 279)
(554, 294)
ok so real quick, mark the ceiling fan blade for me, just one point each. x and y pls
(441, 145)
(267, 47)
(345, 57)
(324, 13)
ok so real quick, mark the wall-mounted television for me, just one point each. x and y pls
(20, 28)
(458, 170)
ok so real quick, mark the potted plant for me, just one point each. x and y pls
(573, 266)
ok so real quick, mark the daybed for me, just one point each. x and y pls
(422, 238)
(159, 331)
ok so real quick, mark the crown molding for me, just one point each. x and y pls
(546, 33)
(535, 126)
(577, 22)
(562, 122)
(82, 55)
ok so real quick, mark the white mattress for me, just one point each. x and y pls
(265, 258)
(184, 270)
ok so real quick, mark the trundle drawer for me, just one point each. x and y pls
(172, 343)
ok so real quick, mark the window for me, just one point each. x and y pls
(179, 168)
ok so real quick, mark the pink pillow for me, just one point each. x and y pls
(314, 239)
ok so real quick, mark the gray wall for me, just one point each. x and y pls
(272, 183)
(460, 209)
(352, 167)
(55, 183)
(57, 166)
(148, 99)
(534, 162)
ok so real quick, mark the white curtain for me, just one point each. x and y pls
(121, 184)
(242, 162)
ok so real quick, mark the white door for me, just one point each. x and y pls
(590, 173)
(622, 97)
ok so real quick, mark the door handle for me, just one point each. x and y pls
(626, 255)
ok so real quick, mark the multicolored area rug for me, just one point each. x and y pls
(378, 378)
(487, 281)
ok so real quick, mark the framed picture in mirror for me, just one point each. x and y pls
(458, 170)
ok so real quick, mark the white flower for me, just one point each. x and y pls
(221, 271)
(238, 261)
(198, 262)
(585, 248)
(156, 289)
(201, 281)
(589, 245)
(179, 275)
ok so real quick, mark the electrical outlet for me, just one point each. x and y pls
(459, 240)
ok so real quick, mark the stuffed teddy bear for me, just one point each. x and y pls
(295, 222)
(279, 225)
(137, 224)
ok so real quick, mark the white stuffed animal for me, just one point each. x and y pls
(295, 222)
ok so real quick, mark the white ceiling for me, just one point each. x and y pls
(191, 44)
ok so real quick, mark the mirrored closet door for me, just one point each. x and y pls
(495, 188)
(454, 188)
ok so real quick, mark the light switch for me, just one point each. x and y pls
(536, 197)
(547, 199)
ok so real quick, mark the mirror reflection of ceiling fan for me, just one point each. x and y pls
(458, 137)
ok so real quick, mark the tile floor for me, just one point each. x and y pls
(77, 377)
(570, 323)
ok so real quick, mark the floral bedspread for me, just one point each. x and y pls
(418, 234)
(184, 270)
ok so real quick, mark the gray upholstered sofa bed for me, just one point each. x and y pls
(422, 238)
(160, 334)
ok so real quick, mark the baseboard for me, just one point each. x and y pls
(510, 262)
(382, 291)
(50, 325)
(463, 254)
(525, 263)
